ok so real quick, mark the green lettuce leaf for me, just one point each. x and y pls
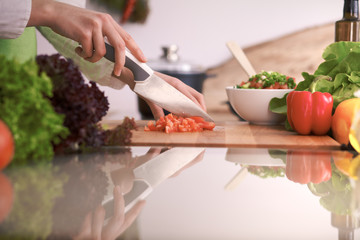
(26, 109)
(338, 75)
(334, 55)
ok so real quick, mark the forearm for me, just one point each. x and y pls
(14, 16)
(51, 13)
(41, 12)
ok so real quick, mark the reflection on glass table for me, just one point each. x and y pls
(330, 175)
(196, 193)
(86, 196)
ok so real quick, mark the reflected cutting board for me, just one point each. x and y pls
(233, 134)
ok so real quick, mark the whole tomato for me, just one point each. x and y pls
(6, 145)
(6, 196)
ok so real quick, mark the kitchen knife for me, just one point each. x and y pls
(153, 88)
(166, 164)
(150, 174)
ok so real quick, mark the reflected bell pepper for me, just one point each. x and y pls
(305, 166)
(309, 112)
(6, 197)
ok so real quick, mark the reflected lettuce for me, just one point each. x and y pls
(36, 188)
(336, 194)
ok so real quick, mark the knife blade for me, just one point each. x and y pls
(155, 89)
(166, 164)
(153, 172)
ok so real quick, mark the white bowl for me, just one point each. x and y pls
(253, 157)
(253, 104)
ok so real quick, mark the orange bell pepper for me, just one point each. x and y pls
(309, 112)
(346, 162)
(342, 119)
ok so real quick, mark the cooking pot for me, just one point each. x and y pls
(171, 64)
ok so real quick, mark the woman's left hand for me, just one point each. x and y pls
(188, 91)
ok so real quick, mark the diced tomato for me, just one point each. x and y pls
(172, 123)
(168, 129)
(208, 125)
(150, 126)
(284, 86)
(198, 119)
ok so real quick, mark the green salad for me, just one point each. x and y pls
(268, 80)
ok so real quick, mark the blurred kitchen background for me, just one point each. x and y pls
(287, 36)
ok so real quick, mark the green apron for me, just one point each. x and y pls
(22, 48)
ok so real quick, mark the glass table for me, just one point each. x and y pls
(184, 193)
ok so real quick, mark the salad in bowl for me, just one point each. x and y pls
(250, 99)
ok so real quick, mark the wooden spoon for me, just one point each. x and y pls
(237, 179)
(240, 56)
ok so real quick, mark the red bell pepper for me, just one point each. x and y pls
(309, 112)
(304, 166)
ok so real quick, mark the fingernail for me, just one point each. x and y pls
(117, 73)
(142, 56)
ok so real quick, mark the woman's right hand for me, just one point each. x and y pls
(86, 27)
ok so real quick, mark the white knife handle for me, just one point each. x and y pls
(140, 70)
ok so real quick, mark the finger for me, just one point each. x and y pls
(123, 177)
(86, 48)
(97, 223)
(197, 95)
(85, 230)
(113, 229)
(155, 109)
(117, 42)
(119, 48)
(153, 152)
(188, 91)
(99, 46)
(191, 93)
(119, 205)
(127, 77)
(130, 43)
(132, 214)
(199, 98)
(197, 159)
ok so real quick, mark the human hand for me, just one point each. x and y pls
(93, 225)
(124, 177)
(188, 91)
(86, 27)
(196, 160)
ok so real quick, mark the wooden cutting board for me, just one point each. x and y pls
(234, 134)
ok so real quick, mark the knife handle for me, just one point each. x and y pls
(140, 70)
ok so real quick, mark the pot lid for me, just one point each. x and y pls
(170, 62)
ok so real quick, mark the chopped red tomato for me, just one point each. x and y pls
(172, 123)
